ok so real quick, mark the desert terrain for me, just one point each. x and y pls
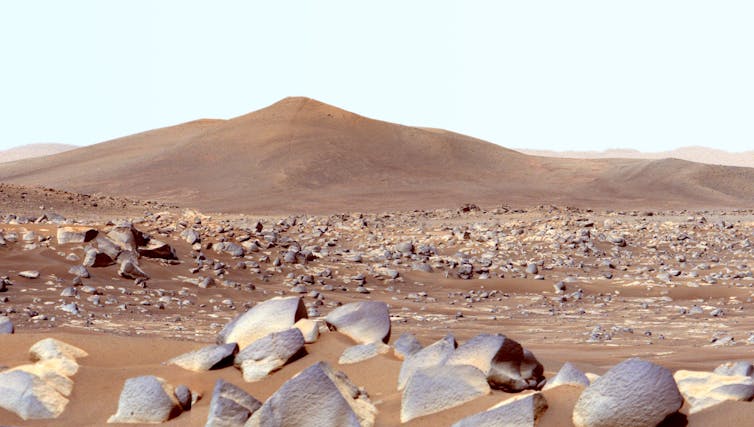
(302, 233)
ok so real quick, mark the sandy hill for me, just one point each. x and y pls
(305, 156)
(693, 154)
(33, 150)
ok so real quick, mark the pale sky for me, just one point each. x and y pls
(584, 75)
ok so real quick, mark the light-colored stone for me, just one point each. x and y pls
(29, 396)
(269, 353)
(230, 406)
(435, 389)
(6, 325)
(29, 274)
(518, 411)
(318, 396)
(130, 269)
(50, 348)
(568, 375)
(54, 372)
(706, 389)
(435, 354)
(75, 234)
(405, 346)
(274, 315)
(206, 358)
(364, 322)
(146, 400)
(362, 352)
(740, 368)
(632, 393)
(157, 249)
(309, 328)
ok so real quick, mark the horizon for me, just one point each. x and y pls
(586, 76)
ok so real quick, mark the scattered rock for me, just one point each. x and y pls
(29, 274)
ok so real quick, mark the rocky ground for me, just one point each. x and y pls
(594, 288)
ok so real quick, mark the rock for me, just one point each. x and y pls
(80, 271)
(127, 237)
(157, 249)
(29, 274)
(6, 326)
(50, 348)
(706, 389)
(183, 394)
(362, 352)
(274, 315)
(230, 248)
(309, 329)
(435, 389)
(568, 375)
(532, 268)
(739, 368)
(632, 393)
(146, 399)
(364, 322)
(29, 396)
(519, 411)
(129, 268)
(206, 358)
(75, 234)
(406, 345)
(318, 396)
(504, 362)
(95, 258)
(434, 354)
(230, 406)
(54, 372)
(190, 236)
(71, 307)
(269, 353)
(405, 248)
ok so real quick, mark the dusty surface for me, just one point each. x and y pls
(673, 287)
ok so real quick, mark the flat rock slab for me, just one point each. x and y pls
(435, 389)
(364, 322)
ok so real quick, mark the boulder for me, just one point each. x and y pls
(518, 411)
(50, 348)
(706, 389)
(75, 234)
(435, 354)
(190, 236)
(364, 322)
(129, 268)
(157, 249)
(127, 237)
(309, 328)
(79, 270)
(318, 396)
(274, 315)
(144, 400)
(362, 352)
(29, 274)
(230, 406)
(568, 375)
(633, 393)
(6, 326)
(505, 363)
(269, 353)
(233, 249)
(406, 345)
(206, 358)
(739, 368)
(52, 371)
(95, 258)
(29, 396)
(435, 389)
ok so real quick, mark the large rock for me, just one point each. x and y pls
(435, 354)
(230, 406)
(233, 249)
(130, 269)
(75, 234)
(309, 328)
(740, 368)
(435, 389)
(206, 358)
(364, 322)
(705, 389)
(406, 345)
(6, 326)
(633, 393)
(157, 249)
(54, 372)
(269, 353)
(146, 399)
(518, 411)
(505, 363)
(362, 352)
(50, 348)
(318, 396)
(568, 375)
(29, 396)
(274, 315)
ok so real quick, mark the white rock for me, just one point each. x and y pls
(435, 389)
(268, 354)
(706, 389)
(568, 375)
(230, 406)
(435, 354)
(518, 411)
(144, 400)
(405, 346)
(75, 234)
(29, 274)
(206, 358)
(29, 397)
(364, 322)
(6, 325)
(362, 352)
(50, 348)
(274, 315)
(309, 328)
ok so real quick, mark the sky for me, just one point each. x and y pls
(560, 75)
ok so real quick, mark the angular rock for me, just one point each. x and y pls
(75, 234)
(6, 326)
(309, 329)
(435, 389)
(29, 396)
(568, 375)
(157, 249)
(706, 389)
(740, 368)
(364, 322)
(632, 393)
(519, 411)
(230, 248)
(274, 315)
(435, 354)
(95, 258)
(206, 358)
(50, 348)
(406, 345)
(127, 237)
(129, 268)
(269, 353)
(146, 399)
(79, 270)
(29, 274)
(183, 395)
(52, 371)
(362, 352)
(230, 406)
(318, 396)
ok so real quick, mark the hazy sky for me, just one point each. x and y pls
(650, 75)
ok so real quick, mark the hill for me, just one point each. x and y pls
(33, 150)
(707, 155)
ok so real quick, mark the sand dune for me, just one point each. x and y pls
(300, 155)
(33, 150)
(697, 154)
